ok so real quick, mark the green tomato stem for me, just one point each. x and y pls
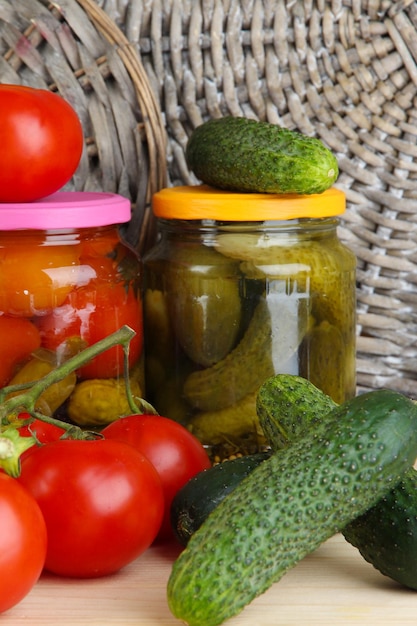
(144, 407)
(26, 401)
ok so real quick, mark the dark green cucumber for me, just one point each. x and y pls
(291, 503)
(386, 534)
(241, 154)
(203, 493)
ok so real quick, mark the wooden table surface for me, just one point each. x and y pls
(332, 587)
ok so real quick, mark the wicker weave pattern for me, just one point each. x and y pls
(76, 49)
(342, 70)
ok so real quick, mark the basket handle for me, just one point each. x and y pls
(154, 128)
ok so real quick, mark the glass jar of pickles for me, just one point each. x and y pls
(238, 288)
(67, 281)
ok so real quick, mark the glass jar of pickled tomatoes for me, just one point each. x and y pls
(67, 280)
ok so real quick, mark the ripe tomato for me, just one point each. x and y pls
(172, 449)
(127, 310)
(42, 431)
(18, 339)
(92, 315)
(92, 312)
(22, 542)
(102, 502)
(41, 141)
(35, 277)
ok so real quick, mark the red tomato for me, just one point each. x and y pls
(22, 542)
(42, 431)
(35, 277)
(115, 307)
(18, 339)
(172, 449)
(41, 141)
(92, 313)
(102, 502)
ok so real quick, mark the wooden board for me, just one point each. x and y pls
(333, 586)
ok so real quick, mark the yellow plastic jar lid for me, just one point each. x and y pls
(201, 202)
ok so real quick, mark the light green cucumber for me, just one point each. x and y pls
(229, 425)
(241, 372)
(291, 503)
(204, 303)
(315, 264)
(241, 154)
(289, 406)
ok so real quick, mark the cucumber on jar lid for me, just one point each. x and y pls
(241, 154)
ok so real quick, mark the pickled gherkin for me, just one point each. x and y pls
(231, 302)
(98, 402)
(326, 352)
(42, 363)
(204, 303)
(267, 345)
(315, 263)
(232, 423)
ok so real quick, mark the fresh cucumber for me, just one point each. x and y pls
(386, 534)
(291, 503)
(204, 492)
(288, 406)
(241, 154)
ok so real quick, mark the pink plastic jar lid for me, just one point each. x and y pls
(66, 209)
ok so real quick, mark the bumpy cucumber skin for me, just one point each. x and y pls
(241, 154)
(291, 503)
(288, 406)
(386, 535)
(203, 493)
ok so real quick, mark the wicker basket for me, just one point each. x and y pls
(342, 70)
(76, 49)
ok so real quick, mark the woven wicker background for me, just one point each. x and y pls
(342, 70)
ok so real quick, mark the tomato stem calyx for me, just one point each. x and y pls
(12, 445)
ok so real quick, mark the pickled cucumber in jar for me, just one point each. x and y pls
(325, 270)
(204, 302)
(42, 363)
(244, 300)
